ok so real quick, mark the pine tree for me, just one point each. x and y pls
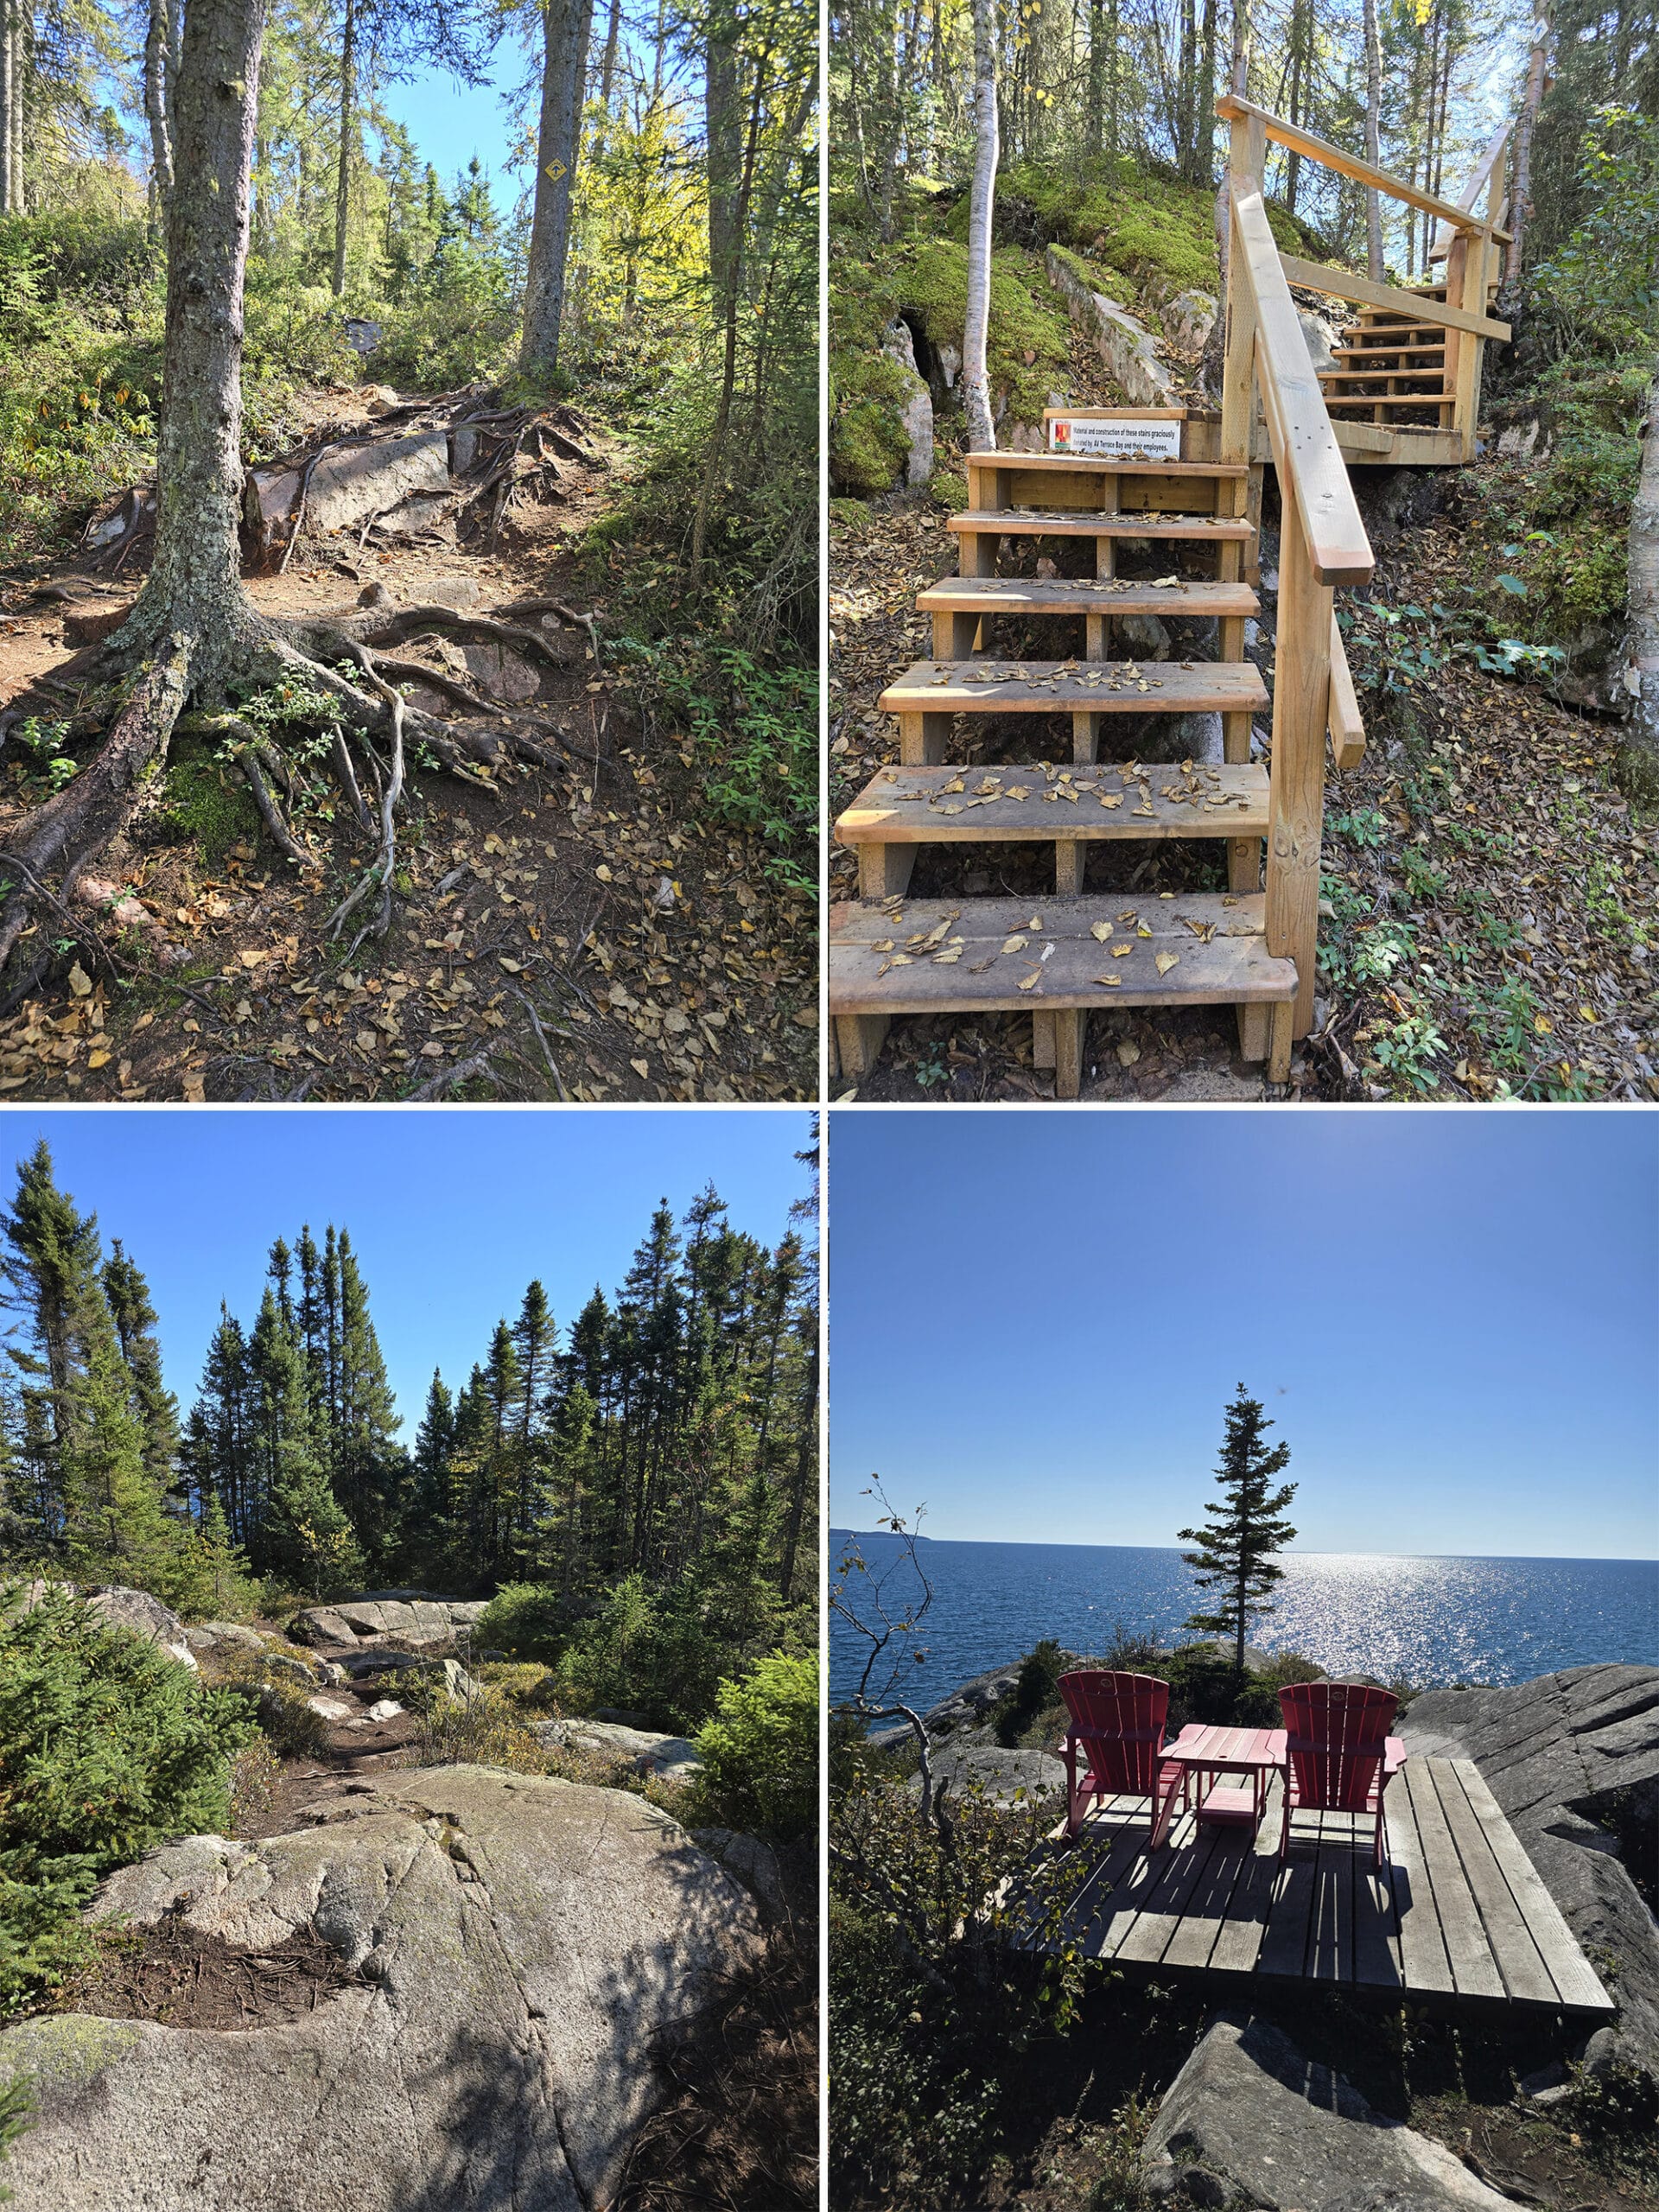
(153, 1403)
(309, 1534)
(1242, 1528)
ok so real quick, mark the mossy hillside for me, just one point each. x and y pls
(1557, 523)
(1147, 236)
(925, 279)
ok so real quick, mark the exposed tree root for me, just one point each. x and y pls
(370, 739)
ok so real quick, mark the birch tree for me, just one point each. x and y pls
(976, 392)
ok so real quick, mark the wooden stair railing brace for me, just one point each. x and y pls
(1254, 946)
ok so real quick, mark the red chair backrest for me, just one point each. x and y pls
(1335, 1737)
(1120, 1719)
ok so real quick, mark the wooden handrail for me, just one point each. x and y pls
(1471, 191)
(1299, 140)
(1305, 448)
(1344, 284)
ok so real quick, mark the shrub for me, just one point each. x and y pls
(761, 1752)
(527, 1620)
(108, 1747)
(1035, 1691)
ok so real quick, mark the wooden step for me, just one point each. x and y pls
(1081, 464)
(1378, 376)
(877, 971)
(997, 686)
(1387, 330)
(1022, 595)
(1079, 522)
(1402, 352)
(1051, 802)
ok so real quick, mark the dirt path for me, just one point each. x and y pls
(584, 933)
(315, 1787)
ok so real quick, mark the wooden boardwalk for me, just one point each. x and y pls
(1458, 1918)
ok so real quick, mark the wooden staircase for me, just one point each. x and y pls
(1058, 958)
(981, 762)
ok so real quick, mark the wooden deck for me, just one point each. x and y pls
(1457, 1920)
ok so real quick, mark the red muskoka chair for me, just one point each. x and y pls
(1339, 1757)
(1117, 1724)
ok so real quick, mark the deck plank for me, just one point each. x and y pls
(1576, 1980)
(1524, 1971)
(1474, 1970)
(1457, 1913)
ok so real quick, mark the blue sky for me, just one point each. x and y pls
(1453, 1317)
(451, 1212)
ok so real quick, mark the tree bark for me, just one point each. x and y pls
(7, 10)
(607, 67)
(976, 389)
(566, 24)
(195, 581)
(728, 217)
(1526, 123)
(161, 142)
(1373, 119)
(343, 177)
(1205, 143)
(13, 69)
(1640, 745)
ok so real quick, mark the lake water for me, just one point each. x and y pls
(1427, 1620)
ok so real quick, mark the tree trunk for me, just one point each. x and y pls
(195, 581)
(1204, 148)
(1641, 741)
(13, 68)
(723, 126)
(1096, 125)
(1373, 116)
(975, 391)
(1526, 123)
(7, 8)
(343, 179)
(607, 66)
(565, 72)
(161, 144)
(728, 217)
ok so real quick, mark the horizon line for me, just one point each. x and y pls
(1608, 1559)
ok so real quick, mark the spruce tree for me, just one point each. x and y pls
(1243, 1528)
(309, 1537)
(153, 1404)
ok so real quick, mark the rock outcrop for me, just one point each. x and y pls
(1572, 1758)
(522, 1947)
(915, 414)
(122, 1608)
(997, 1773)
(671, 1759)
(1125, 345)
(414, 1616)
(1248, 2120)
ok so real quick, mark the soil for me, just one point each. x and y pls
(173, 1975)
(1535, 936)
(595, 899)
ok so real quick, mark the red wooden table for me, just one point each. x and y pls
(1203, 1752)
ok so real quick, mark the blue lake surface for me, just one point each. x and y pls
(1427, 1620)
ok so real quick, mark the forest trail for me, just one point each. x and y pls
(588, 932)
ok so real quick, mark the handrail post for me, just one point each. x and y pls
(1247, 154)
(1301, 696)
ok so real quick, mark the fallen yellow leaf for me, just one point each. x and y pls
(79, 981)
(1167, 961)
(640, 1067)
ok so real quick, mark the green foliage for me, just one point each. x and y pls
(1598, 292)
(1243, 1527)
(207, 805)
(930, 2010)
(17, 2103)
(526, 1620)
(760, 1749)
(753, 723)
(108, 1747)
(1035, 1691)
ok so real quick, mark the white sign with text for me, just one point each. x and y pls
(1123, 438)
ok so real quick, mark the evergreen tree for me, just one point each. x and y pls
(1243, 1528)
(153, 1403)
